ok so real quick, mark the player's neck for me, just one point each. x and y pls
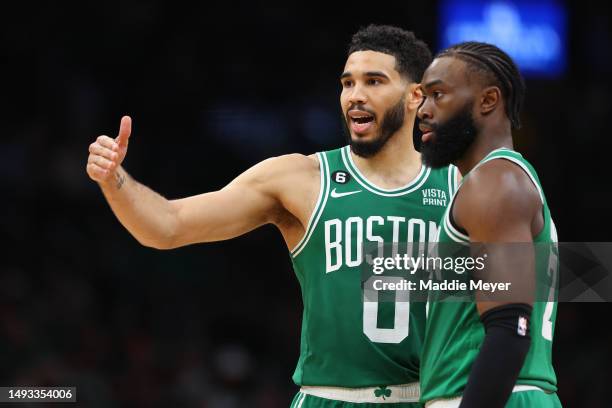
(488, 139)
(395, 165)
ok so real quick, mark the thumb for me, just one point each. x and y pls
(125, 129)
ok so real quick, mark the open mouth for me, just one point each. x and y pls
(361, 121)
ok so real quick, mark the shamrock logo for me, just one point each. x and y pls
(382, 392)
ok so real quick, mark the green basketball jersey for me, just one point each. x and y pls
(345, 341)
(454, 331)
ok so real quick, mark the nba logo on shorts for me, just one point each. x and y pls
(522, 326)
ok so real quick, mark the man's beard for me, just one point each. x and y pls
(451, 139)
(392, 121)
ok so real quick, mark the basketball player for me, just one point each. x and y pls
(326, 206)
(497, 353)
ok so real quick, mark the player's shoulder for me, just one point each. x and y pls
(501, 184)
(286, 172)
(501, 176)
(292, 163)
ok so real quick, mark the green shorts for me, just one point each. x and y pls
(518, 399)
(535, 398)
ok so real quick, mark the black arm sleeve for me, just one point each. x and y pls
(501, 356)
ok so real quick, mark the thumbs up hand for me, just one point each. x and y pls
(106, 154)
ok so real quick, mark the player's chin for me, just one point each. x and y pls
(369, 135)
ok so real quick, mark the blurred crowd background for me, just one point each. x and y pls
(213, 89)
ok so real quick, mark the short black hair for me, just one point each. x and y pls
(498, 68)
(412, 56)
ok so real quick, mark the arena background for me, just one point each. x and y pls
(213, 89)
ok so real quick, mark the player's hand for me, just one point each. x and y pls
(106, 154)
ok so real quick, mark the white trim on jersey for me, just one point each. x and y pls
(319, 207)
(522, 166)
(450, 229)
(371, 187)
(452, 232)
(452, 179)
(347, 153)
(299, 401)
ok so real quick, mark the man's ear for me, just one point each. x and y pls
(414, 97)
(489, 99)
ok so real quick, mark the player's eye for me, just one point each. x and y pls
(373, 81)
(347, 83)
(436, 94)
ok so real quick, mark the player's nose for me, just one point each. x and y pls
(358, 96)
(424, 111)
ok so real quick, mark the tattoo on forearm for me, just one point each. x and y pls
(120, 178)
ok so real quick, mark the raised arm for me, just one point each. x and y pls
(254, 198)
